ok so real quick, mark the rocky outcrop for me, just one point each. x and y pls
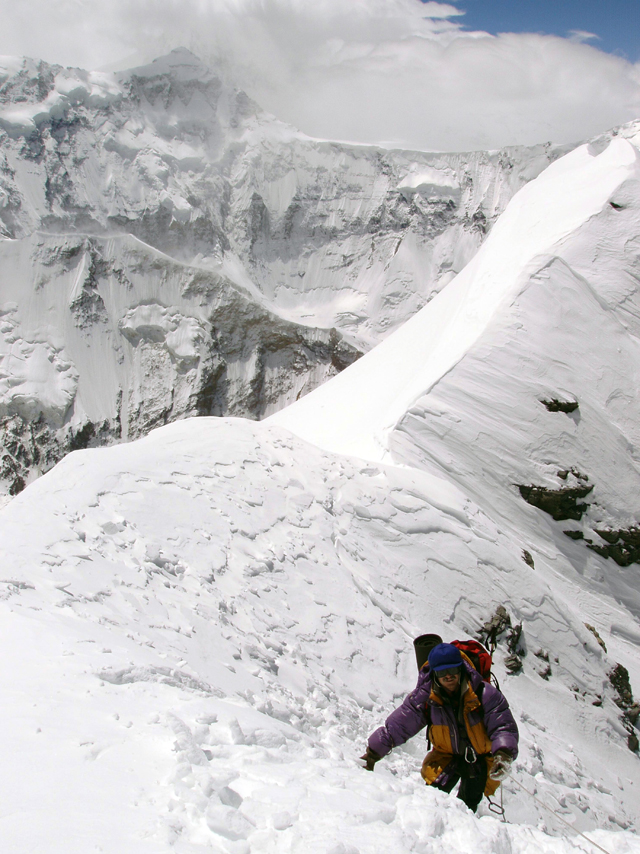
(619, 678)
(32, 447)
(596, 635)
(622, 546)
(555, 405)
(499, 627)
(560, 504)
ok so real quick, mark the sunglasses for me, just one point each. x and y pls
(450, 671)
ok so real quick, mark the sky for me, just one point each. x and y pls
(401, 73)
(613, 26)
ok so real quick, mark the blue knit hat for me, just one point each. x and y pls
(443, 656)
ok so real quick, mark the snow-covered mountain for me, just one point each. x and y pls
(171, 250)
(203, 626)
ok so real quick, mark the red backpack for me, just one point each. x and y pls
(477, 655)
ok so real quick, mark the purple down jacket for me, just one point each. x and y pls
(488, 724)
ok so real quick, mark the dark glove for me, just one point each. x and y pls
(501, 767)
(370, 758)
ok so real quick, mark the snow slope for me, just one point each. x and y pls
(330, 234)
(201, 628)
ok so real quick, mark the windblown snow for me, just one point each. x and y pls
(202, 627)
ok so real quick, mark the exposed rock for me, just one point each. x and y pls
(517, 650)
(514, 640)
(25, 446)
(528, 559)
(513, 663)
(619, 678)
(556, 405)
(623, 545)
(494, 627)
(31, 448)
(560, 504)
(544, 671)
(563, 474)
(595, 633)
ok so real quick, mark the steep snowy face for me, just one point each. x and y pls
(566, 220)
(360, 238)
(86, 151)
(545, 402)
(341, 235)
(162, 205)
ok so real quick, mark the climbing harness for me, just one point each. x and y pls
(531, 795)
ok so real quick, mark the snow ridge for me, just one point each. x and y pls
(539, 217)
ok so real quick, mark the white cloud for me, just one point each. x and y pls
(440, 10)
(394, 71)
(582, 36)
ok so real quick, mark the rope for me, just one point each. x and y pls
(531, 795)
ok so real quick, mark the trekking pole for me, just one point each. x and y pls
(531, 795)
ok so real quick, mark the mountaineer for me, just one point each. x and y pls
(470, 725)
